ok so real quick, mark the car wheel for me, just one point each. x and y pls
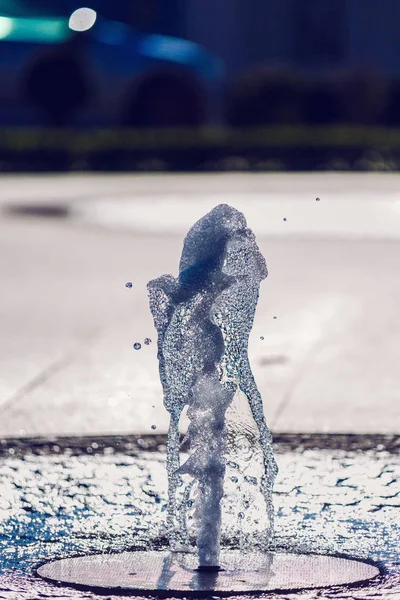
(57, 85)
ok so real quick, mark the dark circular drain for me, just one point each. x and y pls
(170, 573)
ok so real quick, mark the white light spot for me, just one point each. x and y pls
(82, 19)
(6, 27)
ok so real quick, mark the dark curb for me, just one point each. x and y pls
(133, 444)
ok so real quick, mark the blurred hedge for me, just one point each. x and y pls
(81, 142)
(296, 147)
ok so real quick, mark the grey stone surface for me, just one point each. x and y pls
(328, 362)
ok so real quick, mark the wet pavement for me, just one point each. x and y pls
(334, 495)
(324, 347)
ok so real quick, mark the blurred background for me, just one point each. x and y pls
(199, 85)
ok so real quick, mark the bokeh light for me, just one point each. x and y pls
(82, 19)
(5, 27)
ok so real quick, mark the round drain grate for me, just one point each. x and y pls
(167, 573)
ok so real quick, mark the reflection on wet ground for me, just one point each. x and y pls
(67, 501)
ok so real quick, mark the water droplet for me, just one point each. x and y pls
(154, 426)
(137, 346)
(275, 317)
(232, 464)
(284, 218)
(240, 516)
(128, 284)
(262, 338)
(317, 199)
(147, 341)
(252, 480)
(234, 479)
(11, 451)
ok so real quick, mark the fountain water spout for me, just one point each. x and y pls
(203, 319)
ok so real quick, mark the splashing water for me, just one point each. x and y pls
(203, 320)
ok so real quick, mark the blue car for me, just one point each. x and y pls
(60, 66)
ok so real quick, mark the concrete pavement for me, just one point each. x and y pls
(328, 362)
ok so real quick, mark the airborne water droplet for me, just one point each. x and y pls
(154, 426)
(137, 346)
(262, 338)
(128, 284)
(147, 341)
(252, 480)
(232, 464)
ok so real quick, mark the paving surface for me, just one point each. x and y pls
(108, 497)
(328, 311)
